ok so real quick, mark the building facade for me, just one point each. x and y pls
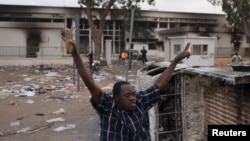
(35, 31)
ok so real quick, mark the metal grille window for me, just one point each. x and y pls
(151, 46)
(199, 49)
(177, 48)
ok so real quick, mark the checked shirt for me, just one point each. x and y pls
(119, 125)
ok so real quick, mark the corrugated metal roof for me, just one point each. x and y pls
(226, 76)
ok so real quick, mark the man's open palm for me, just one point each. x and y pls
(68, 40)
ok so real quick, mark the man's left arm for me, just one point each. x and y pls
(164, 78)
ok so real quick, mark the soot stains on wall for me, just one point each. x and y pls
(33, 42)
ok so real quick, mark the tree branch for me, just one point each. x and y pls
(103, 16)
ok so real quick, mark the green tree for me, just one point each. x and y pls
(238, 13)
(103, 8)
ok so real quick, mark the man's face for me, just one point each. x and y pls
(126, 99)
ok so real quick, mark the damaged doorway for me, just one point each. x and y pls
(166, 116)
(33, 42)
(169, 114)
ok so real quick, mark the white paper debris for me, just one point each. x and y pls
(67, 127)
(55, 119)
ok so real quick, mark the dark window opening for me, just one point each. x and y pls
(173, 25)
(19, 19)
(69, 23)
(45, 20)
(151, 46)
(58, 20)
(33, 20)
(183, 24)
(84, 32)
(199, 49)
(132, 46)
(156, 71)
(152, 24)
(177, 48)
(141, 24)
(150, 67)
(163, 25)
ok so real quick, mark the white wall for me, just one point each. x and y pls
(13, 42)
(50, 44)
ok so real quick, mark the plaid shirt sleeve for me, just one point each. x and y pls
(150, 96)
(106, 102)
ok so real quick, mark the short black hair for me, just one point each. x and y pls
(117, 87)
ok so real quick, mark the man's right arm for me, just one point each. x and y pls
(87, 78)
(83, 71)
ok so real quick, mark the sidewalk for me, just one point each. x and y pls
(37, 61)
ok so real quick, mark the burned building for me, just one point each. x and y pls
(35, 30)
(31, 32)
(195, 98)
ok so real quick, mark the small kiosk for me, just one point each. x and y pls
(201, 48)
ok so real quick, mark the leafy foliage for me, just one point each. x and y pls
(116, 3)
(238, 12)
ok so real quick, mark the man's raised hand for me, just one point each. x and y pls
(67, 37)
(184, 54)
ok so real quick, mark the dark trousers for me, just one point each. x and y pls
(144, 59)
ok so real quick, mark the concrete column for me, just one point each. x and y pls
(108, 51)
(114, 47)
(167, 50)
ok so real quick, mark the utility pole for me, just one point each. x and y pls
(77, 41)
(130, 43)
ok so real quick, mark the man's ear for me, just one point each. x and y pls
(117, 98)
